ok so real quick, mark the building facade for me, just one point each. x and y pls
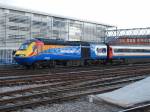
(17, 25)
(135, 36)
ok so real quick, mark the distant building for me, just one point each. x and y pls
(142, 40)
(134, 36)
(17, 25)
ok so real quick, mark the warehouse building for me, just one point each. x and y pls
(17, 25)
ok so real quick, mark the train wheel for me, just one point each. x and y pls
(64, 63)
(27, 67)
(52, 64)
(36, 65)
(81, 63)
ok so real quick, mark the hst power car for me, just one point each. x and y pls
(43, 52)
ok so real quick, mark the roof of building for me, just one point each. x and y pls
(47, 14)
(62, 42)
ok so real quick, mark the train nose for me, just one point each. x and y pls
(20, 55)
(23, 60)
(19, 60)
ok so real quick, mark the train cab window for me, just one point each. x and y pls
(34, 48)
(24, 46)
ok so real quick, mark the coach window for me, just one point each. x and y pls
(146, 50)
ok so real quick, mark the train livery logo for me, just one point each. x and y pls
(100, 51)
(70, 50)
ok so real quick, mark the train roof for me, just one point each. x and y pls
(62, 42)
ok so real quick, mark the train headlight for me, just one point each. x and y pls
(22, 55)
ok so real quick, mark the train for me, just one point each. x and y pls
(40, 52)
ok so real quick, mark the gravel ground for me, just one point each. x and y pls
(11, 88)
(6, 89)
(79, 105)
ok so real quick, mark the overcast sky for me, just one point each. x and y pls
(122, 13)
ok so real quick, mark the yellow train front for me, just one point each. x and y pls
(26, 54)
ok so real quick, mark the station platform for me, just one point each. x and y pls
(128, 96)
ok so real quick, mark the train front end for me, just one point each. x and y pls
(27, 52)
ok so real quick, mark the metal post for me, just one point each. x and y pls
(68, 22)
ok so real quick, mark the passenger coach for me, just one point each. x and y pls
(129, 53)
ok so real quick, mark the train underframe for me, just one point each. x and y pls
(68, 63)
(84, 62)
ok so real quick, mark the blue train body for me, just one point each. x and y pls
(59, 51)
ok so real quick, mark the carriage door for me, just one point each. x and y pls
(39, 47)
(85, 52)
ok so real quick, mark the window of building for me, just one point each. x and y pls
(16, 12)
(60, 28)
(75, 30)
(19, 19)
(90, 32)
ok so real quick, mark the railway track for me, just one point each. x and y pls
(49, 78)
(69, 85)
(60, 94)
(22, 71)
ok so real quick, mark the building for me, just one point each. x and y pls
(135, 36)
(17, 25)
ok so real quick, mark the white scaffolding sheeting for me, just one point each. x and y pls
(130, 95)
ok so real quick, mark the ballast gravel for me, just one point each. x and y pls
(12, 88)
(19, 87)
(79, 105)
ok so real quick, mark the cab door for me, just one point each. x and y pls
(39, 47)
(85, 52)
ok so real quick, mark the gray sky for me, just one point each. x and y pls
(122, 13)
